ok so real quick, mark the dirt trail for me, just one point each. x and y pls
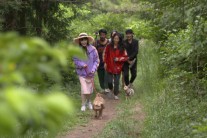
(95, 126)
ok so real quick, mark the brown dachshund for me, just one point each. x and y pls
(98, 106)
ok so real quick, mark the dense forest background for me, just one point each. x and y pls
(36, 48)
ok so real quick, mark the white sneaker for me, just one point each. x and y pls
(116, 97)
(107, 90)
(90, 106)
(83, 108)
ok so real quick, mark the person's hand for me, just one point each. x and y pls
(130, 62)
(116, 59)
(91, 73)
(105, 66)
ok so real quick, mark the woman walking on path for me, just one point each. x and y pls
(114, 57)
(86, 68)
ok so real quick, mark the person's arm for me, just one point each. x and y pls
(105, 56)
(135, 51)
(123, 58)
(96, 61)
(78, 63)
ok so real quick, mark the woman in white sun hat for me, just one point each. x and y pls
(86, 68)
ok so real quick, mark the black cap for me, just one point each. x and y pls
(102, 31)
(129, 31)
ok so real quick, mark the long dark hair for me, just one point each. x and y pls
(120, 44)
(114, 31)
(84, 48)
(83, 38)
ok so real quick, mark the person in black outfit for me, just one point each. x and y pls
(132, 47)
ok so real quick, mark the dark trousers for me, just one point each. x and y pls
(103, 80)
(133, 71)
(113, 81)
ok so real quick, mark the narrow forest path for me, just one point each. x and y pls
(95, 126)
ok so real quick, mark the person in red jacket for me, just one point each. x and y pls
(114, 57)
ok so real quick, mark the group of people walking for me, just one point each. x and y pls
(110, 58)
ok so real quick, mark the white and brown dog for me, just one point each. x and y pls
(128, 91)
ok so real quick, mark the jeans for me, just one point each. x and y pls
(103, 79)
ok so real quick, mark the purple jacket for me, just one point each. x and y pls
(92, 63)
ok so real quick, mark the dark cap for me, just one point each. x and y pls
(102, 31)
(129, 31)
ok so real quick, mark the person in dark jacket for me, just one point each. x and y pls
(132, 47)
(100, 45)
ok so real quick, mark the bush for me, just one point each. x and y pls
(33, 62)
(23, 110)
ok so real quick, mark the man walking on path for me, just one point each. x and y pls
(132, 47)
(100, 46)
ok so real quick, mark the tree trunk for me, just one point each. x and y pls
(22, 19)
(9, 23)
(38, 18)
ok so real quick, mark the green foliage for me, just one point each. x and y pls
(31, 72)
(116, 6)
(142, 29)
(24, 110)
(186, 52)
(174, 112)
(47, 19)
(31, 61)
(108, 21)
(174, 108)
(178, 49)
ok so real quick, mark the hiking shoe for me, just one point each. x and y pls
(107, 90)
(90, 106)
(83, 108)
(116, 97)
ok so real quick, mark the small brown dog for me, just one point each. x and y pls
(98, 106)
